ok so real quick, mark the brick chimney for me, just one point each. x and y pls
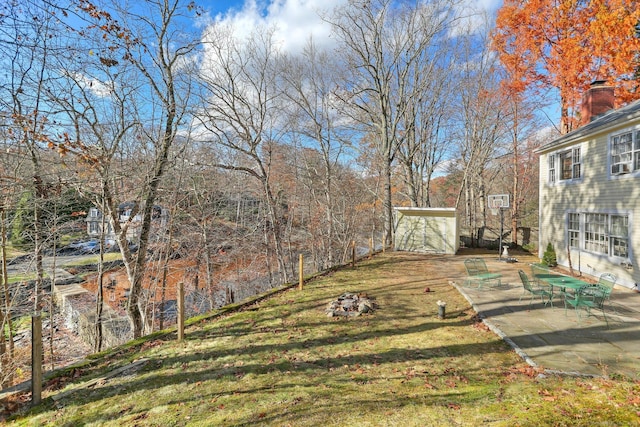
(597, 100)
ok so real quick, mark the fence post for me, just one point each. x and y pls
(301, 272)
(36, 359)
(180, 311)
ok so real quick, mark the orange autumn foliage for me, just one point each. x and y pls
(567, 44)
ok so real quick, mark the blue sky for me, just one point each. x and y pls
(296, 20)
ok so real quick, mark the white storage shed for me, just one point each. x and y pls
(429, 230)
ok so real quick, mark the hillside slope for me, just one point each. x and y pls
(282, 361)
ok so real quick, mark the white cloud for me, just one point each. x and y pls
(295, 21)
(475, 15)
(97, 87)
(298, 20)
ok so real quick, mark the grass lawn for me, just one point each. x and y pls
(283, 362)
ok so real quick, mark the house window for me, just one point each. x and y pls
(552, 168)
(620, 235)
(576, 162)
(595, 233)
(606, 234)
(566, 162)
(621, 153)
(625, 153)
(94, 227)
(565, 165)
(636, 152)
(573, 227)
(93, 212)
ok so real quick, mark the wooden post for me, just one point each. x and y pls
(301, 272)
(36, 359)
(180, 311)
(353, 253)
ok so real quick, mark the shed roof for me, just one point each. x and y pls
(426, 211)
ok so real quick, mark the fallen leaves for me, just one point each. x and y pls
(516, 372)
(547, 396)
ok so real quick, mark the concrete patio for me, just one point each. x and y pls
(547, 337)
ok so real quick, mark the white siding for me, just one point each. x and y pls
(597, 191)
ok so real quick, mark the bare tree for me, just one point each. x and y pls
(27, 44)
(482, 128)
(521, 125)
(241, 108)
(426, 120)
(27, 40)
(200, 229)
(141, 54)
(383, 43)
(309, 81)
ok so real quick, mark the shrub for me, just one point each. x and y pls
(549, 256)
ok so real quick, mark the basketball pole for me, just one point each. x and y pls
(499, 202)
(501, 232)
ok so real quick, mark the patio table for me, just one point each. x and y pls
(561, 282)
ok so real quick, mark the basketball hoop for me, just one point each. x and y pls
(497, 202)
(495, 205)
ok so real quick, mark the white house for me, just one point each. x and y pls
(94, 221)
(590, 190)
(432, 230)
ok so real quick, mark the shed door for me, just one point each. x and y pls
(434, 235)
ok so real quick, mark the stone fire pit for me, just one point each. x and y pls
(350, 304)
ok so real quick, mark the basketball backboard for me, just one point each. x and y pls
(498, 201)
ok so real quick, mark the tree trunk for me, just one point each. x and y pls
(276, 229)
(6, 353)
(515, 202)
(387, 203)
(97, 345)
(515, 196)
(37, 232)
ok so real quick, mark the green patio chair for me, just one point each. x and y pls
(534, 289)
(588, 297)
(607, 280)
(537, 270)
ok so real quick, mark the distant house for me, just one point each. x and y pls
(590, 190)
(159, 217)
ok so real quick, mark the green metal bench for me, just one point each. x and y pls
(479, 274)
